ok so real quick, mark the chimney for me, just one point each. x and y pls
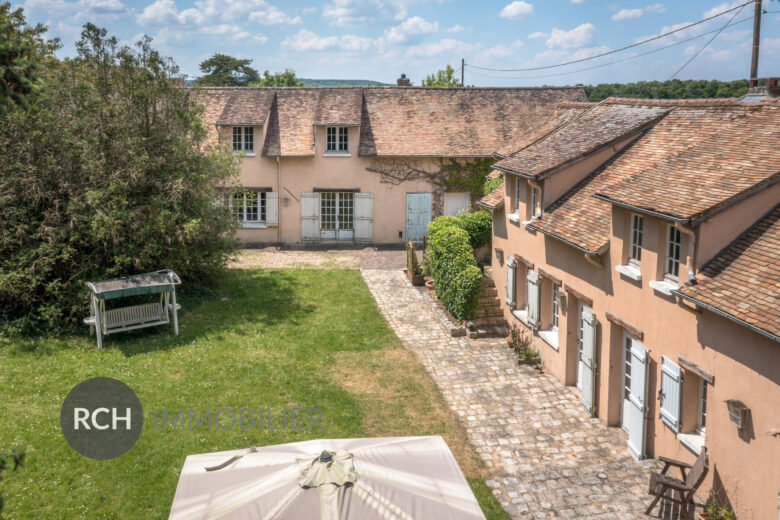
(403, 81)
(756, 93)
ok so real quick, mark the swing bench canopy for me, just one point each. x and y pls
(148, 283)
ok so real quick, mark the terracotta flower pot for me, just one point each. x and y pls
(430, 285)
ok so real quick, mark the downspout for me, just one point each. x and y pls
(278, 201)
(595, 257)
(686, 230)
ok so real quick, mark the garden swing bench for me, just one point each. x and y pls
(131, 317)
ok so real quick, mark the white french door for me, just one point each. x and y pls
(634, 393)
(337, 216)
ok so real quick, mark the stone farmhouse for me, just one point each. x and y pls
(638, 241)
(359, 164)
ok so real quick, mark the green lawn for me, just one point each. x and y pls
(280, 338)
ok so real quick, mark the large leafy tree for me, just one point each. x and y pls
(109, 174)
(279, 79)
(222, 70)
(443, 78)
(23, 48)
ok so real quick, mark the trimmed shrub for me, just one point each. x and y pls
(439, 223)
(412, 265)
(479, 226)
(458, 278)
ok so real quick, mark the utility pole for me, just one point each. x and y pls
(463, 68)
(753, 80)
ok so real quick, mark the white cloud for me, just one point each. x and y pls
(306, 40)
(209, 12)
(410, 27)
(458, 28)
(577, 37)
(500, 51)
(577, 1)
(517, 10)
(270, 15)
(722, 7)
(427, 50)
(627, 14)
(537, 35)
(363, 12)
(309, 10)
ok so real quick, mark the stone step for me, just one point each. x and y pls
(487, 321)
(489, 301)
(487, 282)
(488, 332)
(484, 312)
(488, 292)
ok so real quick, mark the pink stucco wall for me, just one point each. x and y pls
(746, 365)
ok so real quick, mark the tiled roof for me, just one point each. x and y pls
(451, 122)
(291, 123)
(338, 106)
(600, 126)
(245, 107)
(495, 198)
(698, 158)
(743, 281)
(562, 114)
(579, 219)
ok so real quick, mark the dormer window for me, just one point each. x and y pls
(535, 202)
(337, 139)
(243, 139)
(635, 249)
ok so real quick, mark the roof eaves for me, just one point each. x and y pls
(727, 315)
(639, 209)
(598, 251)
(714, 210)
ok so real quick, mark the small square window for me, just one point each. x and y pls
(337, 139)
(243, 139)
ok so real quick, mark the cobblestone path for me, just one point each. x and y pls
(547, 458)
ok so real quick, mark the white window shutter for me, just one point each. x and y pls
(588, 359)
(272, 208)
(511, 268)
(364, 218)
(532, 297)
(310, 217)
(671, 389)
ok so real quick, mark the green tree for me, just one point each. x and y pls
(671, 89)
(443, 78)
(279, 79)
(222, 70)
(22, 51)
(109, 174)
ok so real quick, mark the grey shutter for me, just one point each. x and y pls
(364, 218)
(671, 386)
(310, 217)
(511, 268)
(588, 359)
(272, 208)
(533, 283)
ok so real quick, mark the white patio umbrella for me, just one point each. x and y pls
(388, 478)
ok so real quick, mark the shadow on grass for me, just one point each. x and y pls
(240, 299)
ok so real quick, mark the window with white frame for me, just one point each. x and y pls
(554, 306)
(673, 240)
(701, 416)
(517, 195)
(243, 139)
(337, 139)
(337, 211)
(249, 207)
(535, 202)
(635, 249)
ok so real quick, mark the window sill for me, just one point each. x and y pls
(513, 217)
(336, 154)
(522, 315)
(630, 271)
(692, 441)
(253, 225)
(550, 336)
(244, 154)
(663, 286)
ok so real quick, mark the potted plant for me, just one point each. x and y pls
(520, 343)
(413, 269)
(715, 510)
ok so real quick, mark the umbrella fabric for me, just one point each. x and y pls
(390, 478)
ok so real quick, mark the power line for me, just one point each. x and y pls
(708, 43)
(648, 40)
(629, 58)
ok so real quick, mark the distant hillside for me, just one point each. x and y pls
(341, 83)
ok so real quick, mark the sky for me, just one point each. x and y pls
(379, 39)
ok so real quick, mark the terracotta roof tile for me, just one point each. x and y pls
(451, 122)
(562, 114)
(246, 107)
(581, 135)
(744, 279)
(495, 198)
(698, 158)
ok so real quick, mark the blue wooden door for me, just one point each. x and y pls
(418, 215)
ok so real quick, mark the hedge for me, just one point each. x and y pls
(454, 269)
(479, 226)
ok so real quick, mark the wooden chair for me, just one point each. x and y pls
(667, 486)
